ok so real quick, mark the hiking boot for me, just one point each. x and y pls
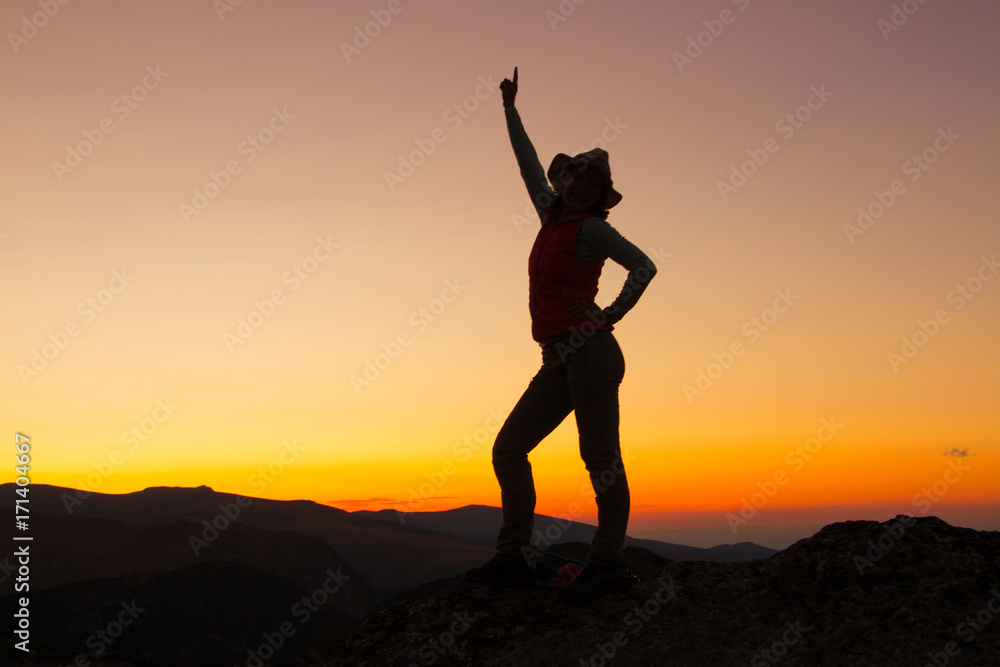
(594, 581)
(503, 569)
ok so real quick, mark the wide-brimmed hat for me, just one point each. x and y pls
(597, 157)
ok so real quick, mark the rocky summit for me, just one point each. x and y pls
(909, 591)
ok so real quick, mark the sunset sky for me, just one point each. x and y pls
(281, 249)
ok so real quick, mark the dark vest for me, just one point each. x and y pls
(558, 277)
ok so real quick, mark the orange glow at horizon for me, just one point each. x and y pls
(290, 270)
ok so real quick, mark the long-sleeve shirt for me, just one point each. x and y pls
(596, 239)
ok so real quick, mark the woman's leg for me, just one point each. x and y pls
(542, 407)
(594, 377)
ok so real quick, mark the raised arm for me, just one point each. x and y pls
(532, 173)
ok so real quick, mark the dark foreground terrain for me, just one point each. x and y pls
(172, 576)
(911, 591)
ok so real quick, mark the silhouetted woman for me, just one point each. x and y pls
(582, 365)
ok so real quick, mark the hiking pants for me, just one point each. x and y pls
(584, 381)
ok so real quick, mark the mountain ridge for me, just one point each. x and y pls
(480, 522)
(389, 556)
(389, 553)
(856, 592)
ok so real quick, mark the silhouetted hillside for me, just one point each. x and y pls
(481, 522)
(388, 555)
(208, 614)
(67, 549)
(909, 591)
(903, 592)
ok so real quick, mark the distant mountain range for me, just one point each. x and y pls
(190, 576)
(156, 542)
(481, 522)
(389, 555)
(773, 537)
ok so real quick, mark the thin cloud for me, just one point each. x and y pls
(959, 453)
(363, 503)
(355, 504)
